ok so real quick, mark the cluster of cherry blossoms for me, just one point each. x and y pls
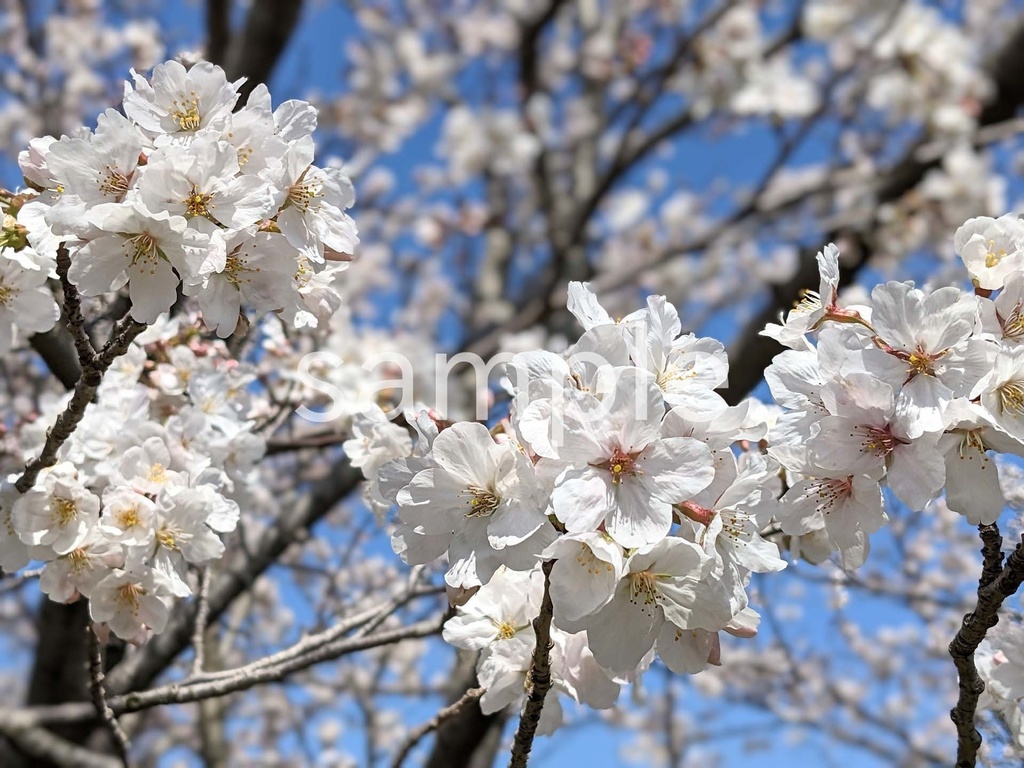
(912, 391)
(621, 467)
(625, 485)
(142, 488)
(182, 194)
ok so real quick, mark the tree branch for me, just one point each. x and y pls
(254, 53)
(99, 696)
(539, 680)
(218, 30)
(997, 583)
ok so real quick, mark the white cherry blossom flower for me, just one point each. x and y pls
(141, 249)
(587, 568)
(623, 474)
(58, 513)
(313, 203)
(130, 602)
(991, 249)
(661, 586)
(202, 184)
(77, 572)
(179, 101)
(257, 273)
(501, 609)
(867, 435)
(26, 306)
(972, 476)
(849, 508)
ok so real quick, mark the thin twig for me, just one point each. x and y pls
(239, 679)
(13, 581)
(434, 723)
(539, 678)
(997, 582)
(99, 697)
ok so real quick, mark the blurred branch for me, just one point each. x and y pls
(43, 745)
(752, 353)
(445, 714)
(99, 696)
(218, 29)
(255, 51)
(304, 654)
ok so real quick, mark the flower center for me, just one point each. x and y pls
(169, 538)
(304, 194)
(157, 473)
(809, 301)
(482, 503)
(621, 465)
(186, 112)
(880, 442)
(993, 257)
(64, 511)
(197, 203)
(831, 492)
(643, 586)
(1011, 398)
(129, 518)
(594, 565)
(921, 362)
(114, 183)
(675, 372)
(128, 595)
(79, 559)
(971, 441)
(234, 270)
(6, 293)
(142, 247)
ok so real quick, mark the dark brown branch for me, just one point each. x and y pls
(218, 29)
(73, 310)
(528, 47)
(46, 748)
(997, 583)
(254, 52)
(470, 739)
(539, 679)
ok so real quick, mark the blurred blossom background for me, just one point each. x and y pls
(705, 150)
